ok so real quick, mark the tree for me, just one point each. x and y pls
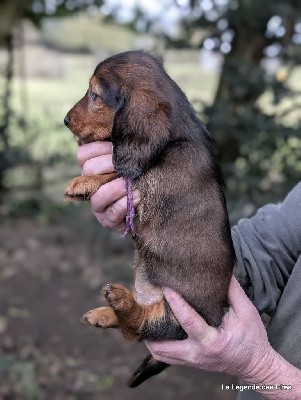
(258, 149)
(11, 13)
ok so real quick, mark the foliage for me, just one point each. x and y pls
(90, 34)
(251, 138)
(260, 150)
(12, 11)
(254, 115)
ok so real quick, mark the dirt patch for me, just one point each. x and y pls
(50, 274)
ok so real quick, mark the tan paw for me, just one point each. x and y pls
(102, 317)
(118, 296)
(81, 188)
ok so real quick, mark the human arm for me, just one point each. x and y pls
(239, 347)
(267, 247)
(109, 203)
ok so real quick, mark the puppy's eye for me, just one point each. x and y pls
(94, 96)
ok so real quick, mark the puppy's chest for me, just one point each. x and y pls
(153, 218)
(155, 207)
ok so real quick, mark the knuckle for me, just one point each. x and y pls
(97, 203)
(158, 353)
(188, 323)
(155, 349)
(80, 154)
(118, 185)
(86, 169)
(104, 222)
(93, 166)
(113, 213)
(101, 218)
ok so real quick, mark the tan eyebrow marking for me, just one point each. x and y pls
(95, 87)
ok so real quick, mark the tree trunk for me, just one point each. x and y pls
(7, 91)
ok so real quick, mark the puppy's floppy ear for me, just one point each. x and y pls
(111, 93)
(140, 133)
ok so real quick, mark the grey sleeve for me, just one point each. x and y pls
(267, 247)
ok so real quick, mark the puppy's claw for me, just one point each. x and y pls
(117, 296)
(107, 289)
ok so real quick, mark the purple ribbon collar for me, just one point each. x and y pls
(129, 221)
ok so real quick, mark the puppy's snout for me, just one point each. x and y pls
(67, 120)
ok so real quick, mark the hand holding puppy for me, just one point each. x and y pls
(239, 346)
(109, 203)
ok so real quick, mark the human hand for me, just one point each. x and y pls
(239, 346)
(109, 203)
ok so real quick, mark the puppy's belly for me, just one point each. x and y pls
(145, 292)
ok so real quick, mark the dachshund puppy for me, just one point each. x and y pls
(180, 229)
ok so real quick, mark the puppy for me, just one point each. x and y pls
(180, 228)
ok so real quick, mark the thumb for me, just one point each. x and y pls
(192, 323)
(238, 300)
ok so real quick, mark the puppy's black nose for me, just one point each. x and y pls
(67, 120)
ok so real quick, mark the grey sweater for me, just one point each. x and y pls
(268, 251)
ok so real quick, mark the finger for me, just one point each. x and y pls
(167, 360)
(238, 300)
(98, 165)
(113, 216)
(94, 149)
(177, 349)
(104, 221)
(192, 323)
(164, 356)
(108, 194)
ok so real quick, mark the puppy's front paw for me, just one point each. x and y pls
(81, 188)
(102, 317)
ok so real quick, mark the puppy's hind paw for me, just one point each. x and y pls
(102, 317)
(118, 296)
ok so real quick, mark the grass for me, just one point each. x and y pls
(49, 97)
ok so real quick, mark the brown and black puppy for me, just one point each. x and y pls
(181, 228)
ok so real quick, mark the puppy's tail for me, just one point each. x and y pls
(148, 368)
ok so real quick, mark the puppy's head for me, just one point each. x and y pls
(126, 103)
(92, 118)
